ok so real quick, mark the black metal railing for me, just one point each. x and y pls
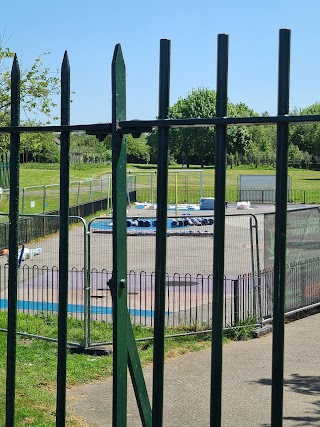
(188, 297)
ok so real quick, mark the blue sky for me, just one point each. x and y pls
(90, 30)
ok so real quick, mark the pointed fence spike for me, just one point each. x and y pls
(65, 90)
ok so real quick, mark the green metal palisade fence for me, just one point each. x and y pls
(125, 351)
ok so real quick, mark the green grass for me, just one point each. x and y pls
(45, 174)
(242, 330)
(37, 362)
(188, 185)
(182, 187)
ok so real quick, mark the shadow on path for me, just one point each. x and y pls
(306, 385)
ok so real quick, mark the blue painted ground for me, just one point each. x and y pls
(72, 308)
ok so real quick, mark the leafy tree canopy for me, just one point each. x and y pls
(196, 145)
(38, 88)
(307, 136)
(87, 148)
(137, 149)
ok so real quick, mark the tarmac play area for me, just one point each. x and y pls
(189, 263)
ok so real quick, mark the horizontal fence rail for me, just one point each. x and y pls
(144, 126)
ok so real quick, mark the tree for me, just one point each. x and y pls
(262, 148)
(188, 145)
(38, 88)
(196, 145)
(39, 147)
(137, 149)
(87, 148)
(307, 136)
(238, 137)
(152, 143)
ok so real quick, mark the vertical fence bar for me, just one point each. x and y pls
(254, 287)
(86, 285)
(161, 237)
(219, 230)
(258, 268)
(108, 193)
(23, 200)
(151, 187)
(236, 300)
(176, 193)
(78, 193)
(186, 189)
(44, 198)
(280, 231)
(63, 244)
(119, 239)
(13, 245)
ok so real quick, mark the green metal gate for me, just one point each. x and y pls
(125, 351)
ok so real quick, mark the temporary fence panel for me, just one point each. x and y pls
(38, 272)
(303, 234)
(259, 188)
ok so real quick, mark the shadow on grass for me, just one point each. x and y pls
(305, 385)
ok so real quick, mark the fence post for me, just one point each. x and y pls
(258, 269)
(186, 189)
(13, 245)
(44, 198)
(161, 236)
(64, 244)
(109, 195)
(78, 194)
(86, 284)
(176, 193)
(119, 243)
(151, 184)
(303, 283)
(90, 191)
(219, 240)
(280, 232)
(22, 203)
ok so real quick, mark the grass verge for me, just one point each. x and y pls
(242, 330)
(37, 362)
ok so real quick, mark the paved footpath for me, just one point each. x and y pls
(246, 385)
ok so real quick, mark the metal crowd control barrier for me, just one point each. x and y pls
(125, 351)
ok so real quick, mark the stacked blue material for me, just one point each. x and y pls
(206, 203)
